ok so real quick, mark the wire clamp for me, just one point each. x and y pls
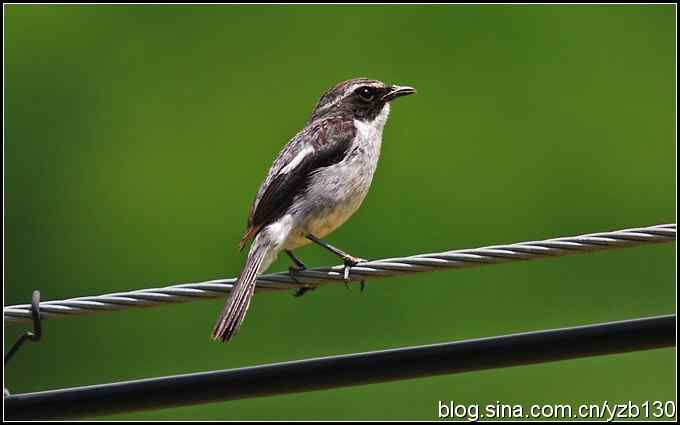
(35, 335)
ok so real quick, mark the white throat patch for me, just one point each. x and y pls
(375, 127)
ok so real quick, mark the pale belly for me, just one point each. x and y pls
(330, 201)
(321, 225)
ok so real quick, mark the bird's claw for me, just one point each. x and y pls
(301, 291)
(362, 285)
(291, 272)
(350, 262)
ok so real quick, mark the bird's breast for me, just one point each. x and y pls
(334, 193)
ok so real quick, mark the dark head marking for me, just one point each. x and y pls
(360, 98)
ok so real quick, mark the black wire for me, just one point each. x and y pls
(346, 370)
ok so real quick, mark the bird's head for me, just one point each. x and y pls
(361, 98)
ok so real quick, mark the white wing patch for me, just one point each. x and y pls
(297, 160)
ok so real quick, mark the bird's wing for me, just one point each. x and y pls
(321, 144)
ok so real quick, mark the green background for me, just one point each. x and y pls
(136, 137)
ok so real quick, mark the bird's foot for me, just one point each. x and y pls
(292, 270)
(301, 291)
(362, 285)
(350, 261)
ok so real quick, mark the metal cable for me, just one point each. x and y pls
(364, 271)
(345, 370)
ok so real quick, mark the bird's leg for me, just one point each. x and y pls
(297, 267)
(348, 259)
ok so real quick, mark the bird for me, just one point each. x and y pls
(317, 181)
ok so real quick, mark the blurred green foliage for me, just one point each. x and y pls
(136, 137)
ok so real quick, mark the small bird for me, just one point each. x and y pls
(318, 180)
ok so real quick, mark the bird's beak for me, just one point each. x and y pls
(397, 91)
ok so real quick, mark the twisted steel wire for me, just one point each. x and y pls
(364, 271)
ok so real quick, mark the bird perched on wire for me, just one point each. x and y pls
(315, 184)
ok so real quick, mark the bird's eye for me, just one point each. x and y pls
(366, 93)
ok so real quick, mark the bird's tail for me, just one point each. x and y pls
(238, 301)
